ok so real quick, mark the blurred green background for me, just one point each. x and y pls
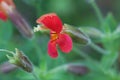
(79, 13)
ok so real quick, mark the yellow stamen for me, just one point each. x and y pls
(54, 36)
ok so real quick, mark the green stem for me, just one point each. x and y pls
(4, 50)
(97, 10)
(97, 48)
(84, 55)
(35, 76)
(59, 68)
(38, 49)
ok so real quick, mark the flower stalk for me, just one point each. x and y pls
(97, 10)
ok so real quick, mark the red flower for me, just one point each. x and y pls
(57, 36)
(3, 11)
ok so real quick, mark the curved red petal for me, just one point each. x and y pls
(52, 51)
(3, 16)
(1, 1)
(51, 21)
(65, 43)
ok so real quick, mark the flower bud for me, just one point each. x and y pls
(19, 59)
(78, 69)
(92, 32)
(7, 67)
(20, 23)
(77, 35)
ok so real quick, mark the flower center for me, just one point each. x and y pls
(54, 36)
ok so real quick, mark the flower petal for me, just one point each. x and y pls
(51, 21)
(3, 16)
(65, 43)
(52, 51)
(1, 1)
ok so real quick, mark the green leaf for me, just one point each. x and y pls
(108, 60)
(109, 23)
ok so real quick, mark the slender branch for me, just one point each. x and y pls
(97, 10)
(35, 76)
(4, 50)
(59, 68)
(97, 48)
(84, 55)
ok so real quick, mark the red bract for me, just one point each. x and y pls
(57, 36)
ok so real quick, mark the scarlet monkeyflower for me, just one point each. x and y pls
(57, 36)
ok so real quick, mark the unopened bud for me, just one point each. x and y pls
(20, 23)
(7, 67)
(77, 35)
(93, 32)
(78, 69)
(19, 59)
